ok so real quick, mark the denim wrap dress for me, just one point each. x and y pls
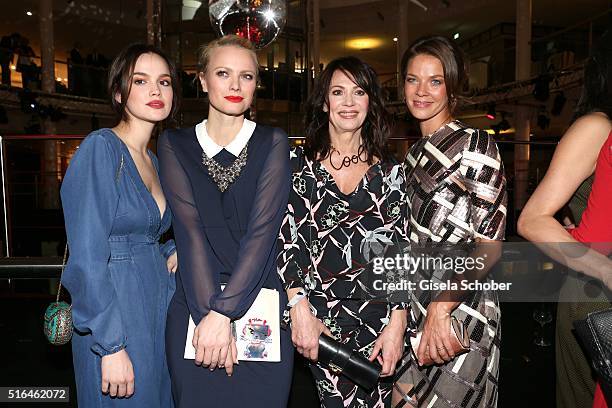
(116, 272)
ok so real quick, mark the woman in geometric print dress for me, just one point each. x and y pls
(456, 195)
(342, 214)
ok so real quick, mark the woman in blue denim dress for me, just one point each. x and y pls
(118, 275)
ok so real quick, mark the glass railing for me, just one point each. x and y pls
(33, 168)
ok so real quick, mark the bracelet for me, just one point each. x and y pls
(301, 294)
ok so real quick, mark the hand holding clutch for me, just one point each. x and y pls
(460, 341)
(341, 359)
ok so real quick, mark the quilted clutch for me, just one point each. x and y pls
(595, 332)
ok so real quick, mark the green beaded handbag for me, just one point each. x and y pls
(58, 316)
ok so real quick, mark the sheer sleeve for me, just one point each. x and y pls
(89, 200)
(195, 267)
(483, 174)
(293, 258)
(257, 252)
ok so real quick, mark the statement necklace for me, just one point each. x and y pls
(224, 176)
(347, 160)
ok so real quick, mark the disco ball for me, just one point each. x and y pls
(258, 20)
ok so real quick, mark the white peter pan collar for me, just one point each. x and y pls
(234, 147)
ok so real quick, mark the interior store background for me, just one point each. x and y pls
(525, 58)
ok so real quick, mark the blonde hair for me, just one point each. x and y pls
(230, 40)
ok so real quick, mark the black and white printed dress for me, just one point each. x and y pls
(327, 241)
(456, 194)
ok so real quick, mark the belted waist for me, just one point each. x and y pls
(122, 246)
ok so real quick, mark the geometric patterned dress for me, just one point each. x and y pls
(456, 194)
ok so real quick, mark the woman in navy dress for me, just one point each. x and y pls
(227, 182)
(118, 275)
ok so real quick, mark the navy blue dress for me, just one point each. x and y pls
(116, 272)
(225, 238)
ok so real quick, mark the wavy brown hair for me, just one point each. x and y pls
(375, 129)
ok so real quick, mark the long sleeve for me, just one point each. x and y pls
(167, 248)
(483, 173)
(195, 267)
(90, 198)
(257, 251)
(293, 252)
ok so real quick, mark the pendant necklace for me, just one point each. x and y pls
(347, 160)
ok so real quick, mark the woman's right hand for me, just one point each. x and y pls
(305, 330)
(212, 339)
(117, 375)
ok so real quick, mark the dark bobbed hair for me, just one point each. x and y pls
(452, 59)
(376, 127)
(596, 93)
(121, 72)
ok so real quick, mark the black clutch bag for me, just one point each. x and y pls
(341, 359)
(595, 332)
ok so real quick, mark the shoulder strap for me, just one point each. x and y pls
(59, 287)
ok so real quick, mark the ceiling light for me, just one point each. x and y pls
(543, 120)
(456, 36)
(363, 43)
(58, 79)
(29, 13)
(394, 39)
(13, 67)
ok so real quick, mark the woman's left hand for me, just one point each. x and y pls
(436, 337)
(172, 262)
(389, 345)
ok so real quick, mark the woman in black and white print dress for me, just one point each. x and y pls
(346, 207)
(456, 195)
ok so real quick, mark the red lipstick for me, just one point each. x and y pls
(156, 104)
(234, 99)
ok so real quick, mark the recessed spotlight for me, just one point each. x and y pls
(29, 13)
(13, 67)
(394, 39)
(58, 79)
(456, 36)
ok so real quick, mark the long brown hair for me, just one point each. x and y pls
(375, 129)
(120, 78)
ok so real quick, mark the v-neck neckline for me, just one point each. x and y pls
(140, 181)
(361, 182)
